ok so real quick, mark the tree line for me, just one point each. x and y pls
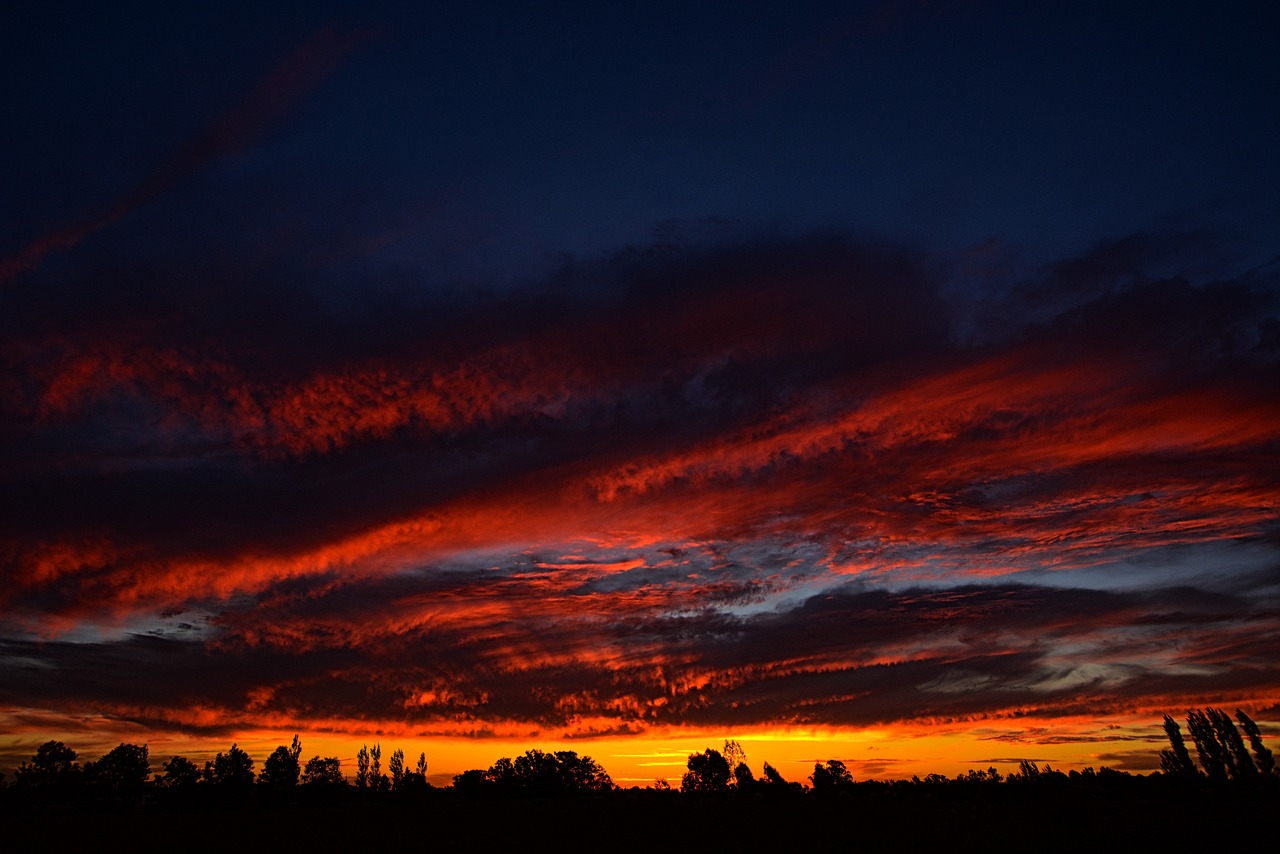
(124, 774)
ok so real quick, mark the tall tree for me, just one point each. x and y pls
(733, 753)
(376, 781)
(1265, 760)
(396, 767)
(362, 767)
(1176, 761)
(1239, 762)
(1212, 754)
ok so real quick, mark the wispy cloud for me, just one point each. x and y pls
(762, 484)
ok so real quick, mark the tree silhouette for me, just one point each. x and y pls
(775, 784)
(369, 768)
(53, 768)
(280, 771)
(362, 767)
(122, 771)
(396, 767)
(1265, 761)
(1176, 761)
(546, 774)
(733, 753)
(1239, 763)
(991, 775)
(831, 777)
(1210, 752)
(472, 782)
(707, 772)
(1219, 746)
(180, 773)
(230, 770)
(410, 780)
(323, 773)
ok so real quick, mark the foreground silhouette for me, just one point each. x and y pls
(720, 803)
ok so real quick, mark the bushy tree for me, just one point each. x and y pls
(53, 767)
(180, 773)
(281, 769)
(123, 771)
(547, 774)
(230, 770)
(323, 773)
(831, 777)
(472, 782)
(707, 772)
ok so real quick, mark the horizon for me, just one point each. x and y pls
(892, 382)
(667, 758)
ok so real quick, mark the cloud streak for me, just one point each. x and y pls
(767, 484)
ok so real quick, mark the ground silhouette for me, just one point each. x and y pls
(569, 802)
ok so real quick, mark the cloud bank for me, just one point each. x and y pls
(764, 483)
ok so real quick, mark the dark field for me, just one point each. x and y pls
(944, 819)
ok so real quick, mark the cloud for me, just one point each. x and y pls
(765, 483)
(529, 651)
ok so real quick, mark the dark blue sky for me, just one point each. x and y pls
(485, 141)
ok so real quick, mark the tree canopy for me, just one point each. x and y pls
(548, 774)
(707, 772)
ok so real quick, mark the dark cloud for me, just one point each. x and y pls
(758, 484)
(472, 653)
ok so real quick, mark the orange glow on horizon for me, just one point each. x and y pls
(1127, 742)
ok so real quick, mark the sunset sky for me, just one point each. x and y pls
(896, 382)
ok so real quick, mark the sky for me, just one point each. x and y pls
(896, 382)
